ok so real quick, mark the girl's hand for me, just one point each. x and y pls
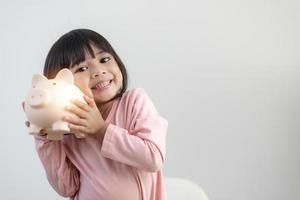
(27, 123)
(88, 119)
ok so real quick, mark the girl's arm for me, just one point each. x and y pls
(61, 173)
(143, 147)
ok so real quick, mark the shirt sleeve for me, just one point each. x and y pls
(61, 173)
(143, 147)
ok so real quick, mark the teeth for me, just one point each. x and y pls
(101, 85)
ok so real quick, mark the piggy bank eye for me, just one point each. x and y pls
(53, 83)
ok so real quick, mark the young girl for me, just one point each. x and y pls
(122, 154)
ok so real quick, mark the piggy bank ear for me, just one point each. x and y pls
(65, 75)
(37, 78)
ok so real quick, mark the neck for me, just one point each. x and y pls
(105, 108)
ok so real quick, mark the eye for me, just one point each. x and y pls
(104, 60)
(81, 69)
(54, 83)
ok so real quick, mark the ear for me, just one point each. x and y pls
(65, 75)
(37, 78)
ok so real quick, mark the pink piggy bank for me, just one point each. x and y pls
(46, 102)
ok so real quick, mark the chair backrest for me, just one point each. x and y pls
(183, 189)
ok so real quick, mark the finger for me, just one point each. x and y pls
(89, 101)
(77, 111)
(81, 105)
(77, 129)
(80, 135)
(75, 120)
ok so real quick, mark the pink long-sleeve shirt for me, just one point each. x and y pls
(126, 166)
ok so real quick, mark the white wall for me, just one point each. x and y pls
(226, 75)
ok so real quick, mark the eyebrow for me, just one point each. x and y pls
(100, 52)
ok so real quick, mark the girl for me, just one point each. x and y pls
(122, 154)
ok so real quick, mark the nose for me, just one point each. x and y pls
(98, 72)
(38, 98)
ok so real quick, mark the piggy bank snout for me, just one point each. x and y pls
(38, 98)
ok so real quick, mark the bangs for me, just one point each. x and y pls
(76, 54)
(74, 51)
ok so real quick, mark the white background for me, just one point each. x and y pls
(226, 75)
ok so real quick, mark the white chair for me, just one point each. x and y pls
(183, 189)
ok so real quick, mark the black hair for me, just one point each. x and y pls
(71, 49)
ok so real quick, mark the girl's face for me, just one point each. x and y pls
(98, 77)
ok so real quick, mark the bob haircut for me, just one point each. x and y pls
(71, 49)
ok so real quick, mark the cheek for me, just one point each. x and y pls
(84, 87)
(120, 77)
(80, 83)
(77, 82)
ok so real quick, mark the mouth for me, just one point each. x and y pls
(102, 85)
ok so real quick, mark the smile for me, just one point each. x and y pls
(102, 85)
